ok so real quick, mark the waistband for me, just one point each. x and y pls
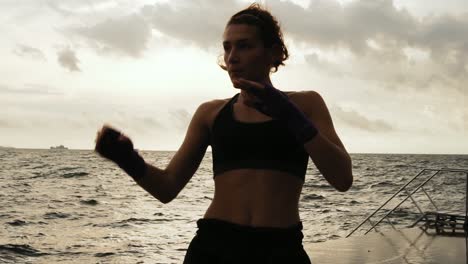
(224, 232)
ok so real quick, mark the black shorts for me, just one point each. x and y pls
(223, 242)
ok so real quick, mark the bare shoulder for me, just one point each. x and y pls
(209, 110)
(310, 102)
(211, 106)
(313, 105)
(304, 94)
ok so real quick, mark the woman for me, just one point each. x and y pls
(261, 141)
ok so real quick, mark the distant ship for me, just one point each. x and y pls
(59, 147)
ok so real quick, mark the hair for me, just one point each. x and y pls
(268, 27)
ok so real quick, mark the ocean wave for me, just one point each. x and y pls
(382, 184)
(22, 249)
(128, 222)
(68, 168)
(320, 186)
(17, 222)
(343, 210)
(105, 254)
(39, 175)
(89, 202)
(332, 237)
(134, 220)
(313, 196)
(75, 174)
(40, 209)
(55, 215)
(40, 166)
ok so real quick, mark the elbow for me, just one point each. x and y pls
(346, 182)
(162, 195)
(345, 185)
(167, 197)
(165, 201)
(342, 183)
(168, 191)
(341, 179)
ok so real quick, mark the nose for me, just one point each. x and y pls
(232, 56)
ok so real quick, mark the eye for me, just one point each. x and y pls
(226, 47)
(244, 46)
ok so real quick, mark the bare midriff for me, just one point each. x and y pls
(259, 198)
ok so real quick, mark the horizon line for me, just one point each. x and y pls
(150, 150)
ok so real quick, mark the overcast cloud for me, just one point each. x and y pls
(126, 35)
(359, 121)
(386, 68)
(28, 89)
(181, 118)
(200, 22)
(67, 59)
(381, 43)
(385, 44)
(30, 52)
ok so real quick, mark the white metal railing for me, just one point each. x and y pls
(410, 194)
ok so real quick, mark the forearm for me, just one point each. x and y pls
(115, 146)
(157, 182)
(332, 161)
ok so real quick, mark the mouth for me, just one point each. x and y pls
(235, 72)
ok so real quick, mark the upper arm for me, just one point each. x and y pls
(317, 111)
(186, 161)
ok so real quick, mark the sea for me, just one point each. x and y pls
(71, 206)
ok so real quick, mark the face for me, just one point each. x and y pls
(244, 53)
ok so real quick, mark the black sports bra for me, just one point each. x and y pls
(262, 145)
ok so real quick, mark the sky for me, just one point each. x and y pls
(393, 73)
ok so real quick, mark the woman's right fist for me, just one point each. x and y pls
(112, 144)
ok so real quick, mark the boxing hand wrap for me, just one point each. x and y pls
(276, 104)
(119, 149)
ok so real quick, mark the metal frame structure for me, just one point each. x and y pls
(436, 219)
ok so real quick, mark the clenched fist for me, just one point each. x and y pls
(115, 146)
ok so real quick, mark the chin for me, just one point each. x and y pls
(237, 75)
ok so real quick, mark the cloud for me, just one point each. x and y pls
(75, 113)
(325, 66)
(76, 7)
(329, 24)
(67, 58)
(28, 51)
(465, 120)
(127, 35)
(459, 119)
(55, 6)
(7, 123)
(381, 42)
(359, 121)
(180, 118)
(29, 89)
(199, 22)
